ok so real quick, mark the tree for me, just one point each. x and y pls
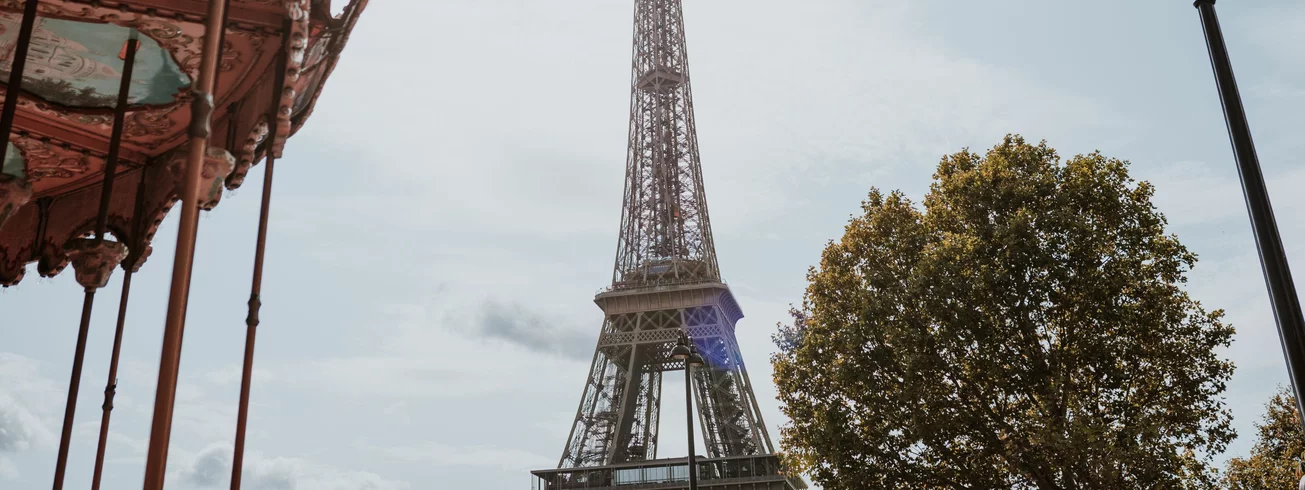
(1026, 329)
(1275, 458)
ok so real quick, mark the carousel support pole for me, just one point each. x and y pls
(14, 190)
(115, 136)
(156, 459)
(255, 290)
(130, 266)
(251, 327)
(1273, 260)
(16, 69)
(95, 259)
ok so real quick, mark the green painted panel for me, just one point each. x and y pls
(77, 64)
(13, 163)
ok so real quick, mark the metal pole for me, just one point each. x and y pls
(1273, 260)
(251, 329)
(15, 85)
(19, 191)
(115, 136)
(156, 458)
(688, 406)
(255, 290)
(101, 223)
(115, 139)
(111, 388)
(71, 406)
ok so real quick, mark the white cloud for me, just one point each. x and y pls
(441, 455)
(19, 427)
(431, 353)
(7, 469)
(27, 401)
(211, 468)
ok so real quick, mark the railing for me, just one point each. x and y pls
(671, 473)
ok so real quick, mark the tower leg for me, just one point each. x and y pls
(629, 403)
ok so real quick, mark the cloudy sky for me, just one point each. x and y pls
(436, 240)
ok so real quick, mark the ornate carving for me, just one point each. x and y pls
(14, 193)
(12, 266)
(136, 258)
(47, 9)
(248, 155)
(231, 58)
(316, 66)
(296, 44)
(216, 165)
(156, 217)
(338, 36)
(113, 223)
(149, 123)
(52, 259)
(93, 260)
(168, 35)
(104, 121)
(45, 160)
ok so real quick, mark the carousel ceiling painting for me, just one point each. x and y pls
(79, 64)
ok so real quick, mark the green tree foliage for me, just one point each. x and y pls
(1026, 329)
(1274, 459)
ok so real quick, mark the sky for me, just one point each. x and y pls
(441, 224)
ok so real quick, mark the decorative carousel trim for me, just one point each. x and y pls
(157, 213)
(115, 223)
(349, 18)
(45, 159)
(215, 167)
(93, 260)
(136, 258)
(180, 15)
(296, 43)
(52, 258)
(13, 266)
(249, 155)
(14, 193)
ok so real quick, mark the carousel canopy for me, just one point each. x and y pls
(275, 56)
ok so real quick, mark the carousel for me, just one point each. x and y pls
(125, 110)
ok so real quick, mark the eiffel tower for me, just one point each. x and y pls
(666, 285)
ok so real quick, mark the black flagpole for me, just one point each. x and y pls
(1277, 276)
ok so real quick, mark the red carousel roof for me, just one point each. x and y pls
(62, 127)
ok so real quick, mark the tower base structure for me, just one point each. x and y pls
(762, 472)
(617, 420)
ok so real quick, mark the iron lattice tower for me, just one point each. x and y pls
(666, 282)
